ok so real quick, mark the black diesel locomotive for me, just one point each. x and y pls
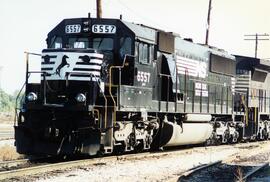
(112, 86)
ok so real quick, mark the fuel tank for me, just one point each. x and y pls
(186, 133)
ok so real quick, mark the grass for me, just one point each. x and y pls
(8, 152)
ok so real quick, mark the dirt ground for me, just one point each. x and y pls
(6, 118)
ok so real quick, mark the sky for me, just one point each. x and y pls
(24, 25)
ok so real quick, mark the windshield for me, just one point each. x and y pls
(78, 43)
(56, 42)
(103, 43)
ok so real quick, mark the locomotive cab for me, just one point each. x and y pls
(74, 67)
(88, 47)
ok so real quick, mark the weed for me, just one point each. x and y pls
(8, 152)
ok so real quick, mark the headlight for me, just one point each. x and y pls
(31, 96)
(80, 97)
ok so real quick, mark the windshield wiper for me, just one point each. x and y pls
(52, 41)
(100, 43)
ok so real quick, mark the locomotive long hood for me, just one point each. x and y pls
(258, 67)
(249, 63)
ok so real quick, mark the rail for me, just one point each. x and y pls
(199, 168)
(246, 109)
(27, 62)
(176, 88)
(255, 170)
(193, 171)
(16, 104)
(28, 73)
(25, 83)
(16, 173)
(260, 148)
(84, 162)
(4, 175)
(43, 168)
(12, 163)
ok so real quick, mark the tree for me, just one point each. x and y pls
(7, 102)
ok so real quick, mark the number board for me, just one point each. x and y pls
(143, 76)
(73, 28)
(104, 29)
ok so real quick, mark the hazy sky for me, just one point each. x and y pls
(24, 25)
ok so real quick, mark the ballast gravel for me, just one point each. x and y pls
(151, 169)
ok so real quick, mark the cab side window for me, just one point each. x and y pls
(125, 46)
(151, 52)
(144, 52)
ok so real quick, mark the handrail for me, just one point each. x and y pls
(165, 75)
(44, 85)
(16, 103)
(176, 89)
(167, 96)
(27, 63)
(97, 111)
(26, 81)
(91, 74)
(32, 53)
(110, 81)
(246, 109)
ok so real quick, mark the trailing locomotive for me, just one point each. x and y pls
(112, 86)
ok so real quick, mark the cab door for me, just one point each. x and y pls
(144, 74)
(144, 65)
(139, 94)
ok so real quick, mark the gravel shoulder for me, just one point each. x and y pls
(9, 142)
(157, 168)
(6, 131)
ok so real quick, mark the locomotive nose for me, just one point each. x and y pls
(71, 77)
(77, 65)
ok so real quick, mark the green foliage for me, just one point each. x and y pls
(7, 102)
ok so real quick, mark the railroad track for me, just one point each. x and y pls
(50, 167)
(222, 170)
(45, 168)
(8, 165)
(12, 163)
(253, 171)
(241, 174)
